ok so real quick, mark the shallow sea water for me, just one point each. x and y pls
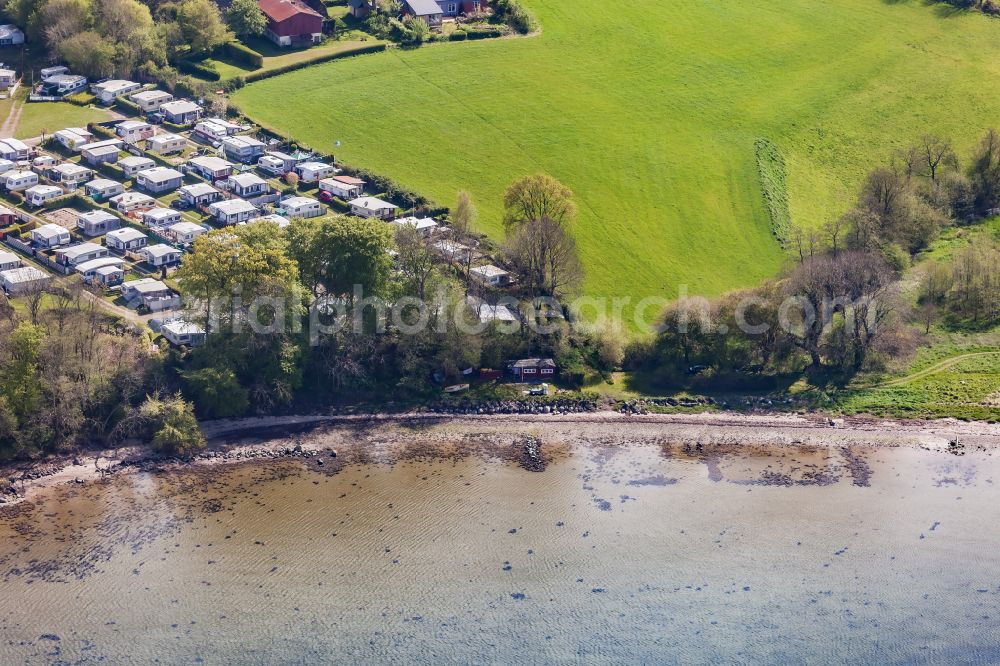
(633, 554)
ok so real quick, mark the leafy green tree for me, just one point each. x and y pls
(216, 391)
(201, 25)
(89, 53)
(228, 269)
(172, 422)
(341, 252)
(20, 383)
(533, 198)
(245, 18)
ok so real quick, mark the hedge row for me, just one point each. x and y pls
(266, 74)
(483, 33)
(73, 199)
(128, 107)
(243, 53)
(81, 99)
(199, 69)
(101, 130)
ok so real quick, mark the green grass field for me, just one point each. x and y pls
(50, 117)
(650, 111)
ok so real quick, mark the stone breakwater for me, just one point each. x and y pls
(564, 406)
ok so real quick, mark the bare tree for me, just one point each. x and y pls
(544, 254)
(936, 154)
(415, 259)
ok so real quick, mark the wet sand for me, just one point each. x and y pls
(236, 440)
(435, 541)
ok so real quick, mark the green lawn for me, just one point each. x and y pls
(50, 117)
(649, 111)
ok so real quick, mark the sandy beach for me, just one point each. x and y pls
(335, 440)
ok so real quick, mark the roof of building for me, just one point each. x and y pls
(187, 227)
(242, 141)
(298, 201)
(372, 203)
(181, 327)
(8, 257)
(245, 180)
(8, 30)
(114, 84)
(132, 124)
(126, 234)
(166, 137)
(48, 231)
(23, 274)
(102, 184)
(151, 95)
(102, 262)
(533, 363)
(348, 180)
(43, 189)
(70, 169)
(146, 285)
(180, 106)
(132, 197)
(488, 312)
(135, 161)
(96, 215)
(17, 175)
(100, 150)
(489, 271)
(75, 132)
(80, 249)
(160, 250)
(232, 206)
(160, 213)
(419, 223)
(282, 222)
(280, 10)
(199, 190)
(313, 166)
(109, 269)
(101, 144)
(423, 7)
(161, 174)
(210, 162)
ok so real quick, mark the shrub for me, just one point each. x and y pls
(101, 130)
(484, 33)
(513, 14)
(199, 69)
(458, 36)
(172, 424)
(128, 107)
(82, 99)
(71, 200)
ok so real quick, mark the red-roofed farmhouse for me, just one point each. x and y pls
(291, 22)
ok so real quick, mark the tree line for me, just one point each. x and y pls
(132, 38)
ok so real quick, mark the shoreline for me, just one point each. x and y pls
(312, 438)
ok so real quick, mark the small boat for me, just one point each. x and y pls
(456, 388)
